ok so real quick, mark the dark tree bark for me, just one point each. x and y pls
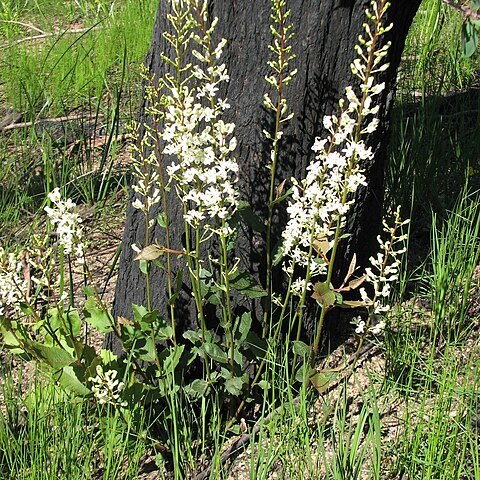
(326, 32)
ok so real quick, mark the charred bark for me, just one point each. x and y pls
(326, 32)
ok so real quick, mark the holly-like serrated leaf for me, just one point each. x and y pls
(173, 359)
(193, 336)
(144, 349)
(324, 295)
(469, 35)
(149, 253)
(245, 283)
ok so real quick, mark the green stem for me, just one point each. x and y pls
(227, 310)
(167, 220)
(273, 168)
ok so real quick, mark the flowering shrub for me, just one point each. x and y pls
(188, 147)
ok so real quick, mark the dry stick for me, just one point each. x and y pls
(354, 359)
(26, 25)
(13, 126)
(46, 35)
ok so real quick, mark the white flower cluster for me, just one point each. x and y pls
(361, 326)
(107, 388)
(200, 142)
(68, 223)
(321, 200)
(385, 266)
(12, 283)
(145, 171)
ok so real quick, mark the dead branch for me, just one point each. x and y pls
(26, 25)
(46, 35)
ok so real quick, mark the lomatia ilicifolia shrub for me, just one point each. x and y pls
(187, 148)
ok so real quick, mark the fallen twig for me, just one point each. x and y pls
(26, 25)
(46, 35)
(13, 126)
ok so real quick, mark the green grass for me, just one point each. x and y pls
(94, 74)
(430, 375)
(46, 435)
(50, 76)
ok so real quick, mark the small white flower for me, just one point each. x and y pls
(12, 283)
(107, 388)
(68, 223)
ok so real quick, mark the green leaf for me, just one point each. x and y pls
(149, 253)
(215, 352)
(323, 294)
(97, 317)
(193, 336)
(7, 327)
(144, 349)
(281, 198)
(300, 348)
(250, 218)
(164, 333)
(173, 359)
(256, 345)
(107, 356)
(208, 289)
(476, 5)
(469, 35)
(56, 357)
(197, 389)
(245, 283)
(143, 266)
(74, 322)
(278, 253)
(72, 379)
(162, 219)
(139, 311)
(178, 287)
(234, 386)
(243, 327)
(263, 384)
(321, 380)
(26, 309)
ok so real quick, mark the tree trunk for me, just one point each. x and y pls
(326, 32)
